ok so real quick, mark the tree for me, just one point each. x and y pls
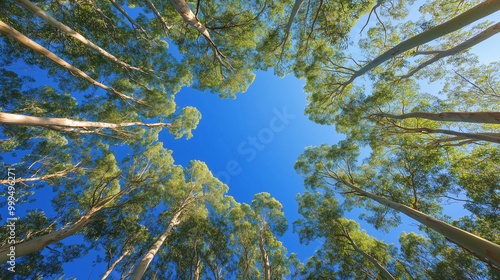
(335, 166)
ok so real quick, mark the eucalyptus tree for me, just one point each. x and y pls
(87, 197)
(344, 245)
(387, 193)
(186, 193)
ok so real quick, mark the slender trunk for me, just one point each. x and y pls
(125, 14)
(247, 265)
(64, 124)
(140, 269)
(183, 9)
(40, 178)
(481, 10)
(480, 246)
(490, 137)
(461, 47)
(60, 26)
(38, 243)
(196, 274)
(110, 269)
(27, 42)
(265, 257)
(371, 259)
(472, 117)
(166, 28)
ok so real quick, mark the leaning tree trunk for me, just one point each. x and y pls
(480, 246)
(265, 257)
(472, 117)
(140, 269)
(64, 124)
(110, 269)
(38, 243)
(482, 10)
(371, 259)
(492, 30)
(60, 26)
(490, 137)
(164, 23)
(27, 42)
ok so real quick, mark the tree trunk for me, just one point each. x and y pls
(140, 269)
(183, 9)
(480, 246)
(38, 243)
(60, 26)
(166, 28)
(124, 13)
(64, 124)
(58, 174)
(265, 257)
(110, 269)
(490, 137)
(481, 10)
(27, 42)
(461, 47)
(371, 259)
(472, 117)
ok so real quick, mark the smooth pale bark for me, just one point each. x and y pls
(58, 174)
(60, 26)
(461, 47)
(27, 42)
(265, 257)
(490, 137)
(481, 10)
(480, 246)
(125, 14)
(196, 274)
(38, 243)
(110, 269)
(166, 28)
(64, 124)
(183, 9)
(140, 269)
(472, 117)
(43, 241)
(371, 259)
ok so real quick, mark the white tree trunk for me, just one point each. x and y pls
(265, 257)
(27, 42)
(461, 47)
(480, 246)
(66, 124)
(110, 269)
(59, 25)
(140, 269)
(482, 10)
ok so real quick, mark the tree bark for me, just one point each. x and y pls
(480, 246)
(64, 124)
(371, 259)
(110, 269)
(140, 269)
(472, 117)
(265, 257)
(38, 243)
(125, 14)
(27, 42)
(461, 47)
(183, 9)
(490, 137)
(481, 10)
(60, 26)
(166, 28)
(44, 177)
